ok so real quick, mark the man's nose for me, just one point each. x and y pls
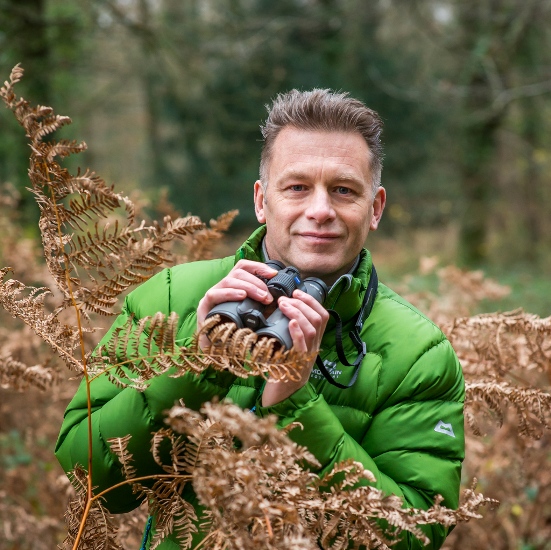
(319, 206)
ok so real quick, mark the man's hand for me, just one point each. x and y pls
(241, 282)
(307, 322)
(307, 317)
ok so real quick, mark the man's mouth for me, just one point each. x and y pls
(319, 237)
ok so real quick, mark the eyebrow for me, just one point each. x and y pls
(301, 176)
(347, 178)
(294, 174)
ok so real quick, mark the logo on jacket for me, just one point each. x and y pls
(331, 367)
(444, 428)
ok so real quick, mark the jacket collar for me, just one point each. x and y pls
(346, 294)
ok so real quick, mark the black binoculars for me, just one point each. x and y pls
(250, 313)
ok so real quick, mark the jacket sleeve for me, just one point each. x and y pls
(117, 411)
(401, 447)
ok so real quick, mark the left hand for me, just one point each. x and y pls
(307, 322)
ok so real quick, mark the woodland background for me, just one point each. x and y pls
(169, 94)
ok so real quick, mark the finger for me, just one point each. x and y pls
(316, 314)
(217, 296)
(258, 269)
(310, 323)
(255, 288)
(241, 282)
(253, 273)
(297, 336)
(311, 302)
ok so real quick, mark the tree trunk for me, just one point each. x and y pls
(479, 144)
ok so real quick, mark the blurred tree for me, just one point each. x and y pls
(210, 66)
(487, 56)
(45, 36)
(23, 38)
(497, 35)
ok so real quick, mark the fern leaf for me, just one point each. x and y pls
(62, 338)
(18, 376)
(119, 446)
(532, 405)
(7, 91)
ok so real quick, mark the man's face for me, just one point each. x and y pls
(318, 205)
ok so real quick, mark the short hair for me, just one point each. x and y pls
(325, 110)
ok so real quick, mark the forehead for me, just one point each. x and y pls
(294, 148)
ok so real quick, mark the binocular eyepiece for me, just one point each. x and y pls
(250, 313)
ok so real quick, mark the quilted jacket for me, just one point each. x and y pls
(402, 418)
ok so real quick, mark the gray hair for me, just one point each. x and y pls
(323, 110)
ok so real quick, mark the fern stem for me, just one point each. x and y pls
(268, 526)
(187, 477)
(84, 366)
(82, 523)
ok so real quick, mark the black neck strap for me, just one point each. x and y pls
(355, 334)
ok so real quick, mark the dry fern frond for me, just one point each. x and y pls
(236, 485)
(532, 405)
(458, 291)
(469, 508)
(201, 244)
(7, 92)
(173, 514)
(100, 531)
(140, 350)
(164, 499)
(497, 351)
(119, 445)
(18, 376)
(259, 496)
(90, 263)
(242, 353)
(137, 262)
(500, 342)
(178, 451)
(62, 338)
(257, 492)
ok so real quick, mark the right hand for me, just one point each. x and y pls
(241, 282)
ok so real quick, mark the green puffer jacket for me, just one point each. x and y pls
(402, 419)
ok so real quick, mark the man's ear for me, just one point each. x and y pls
(378, 206)
(259, 201)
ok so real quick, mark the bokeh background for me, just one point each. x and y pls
(169, 95)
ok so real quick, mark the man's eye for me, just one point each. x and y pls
(297, 187)
(343, 190)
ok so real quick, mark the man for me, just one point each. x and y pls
(399, 411)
